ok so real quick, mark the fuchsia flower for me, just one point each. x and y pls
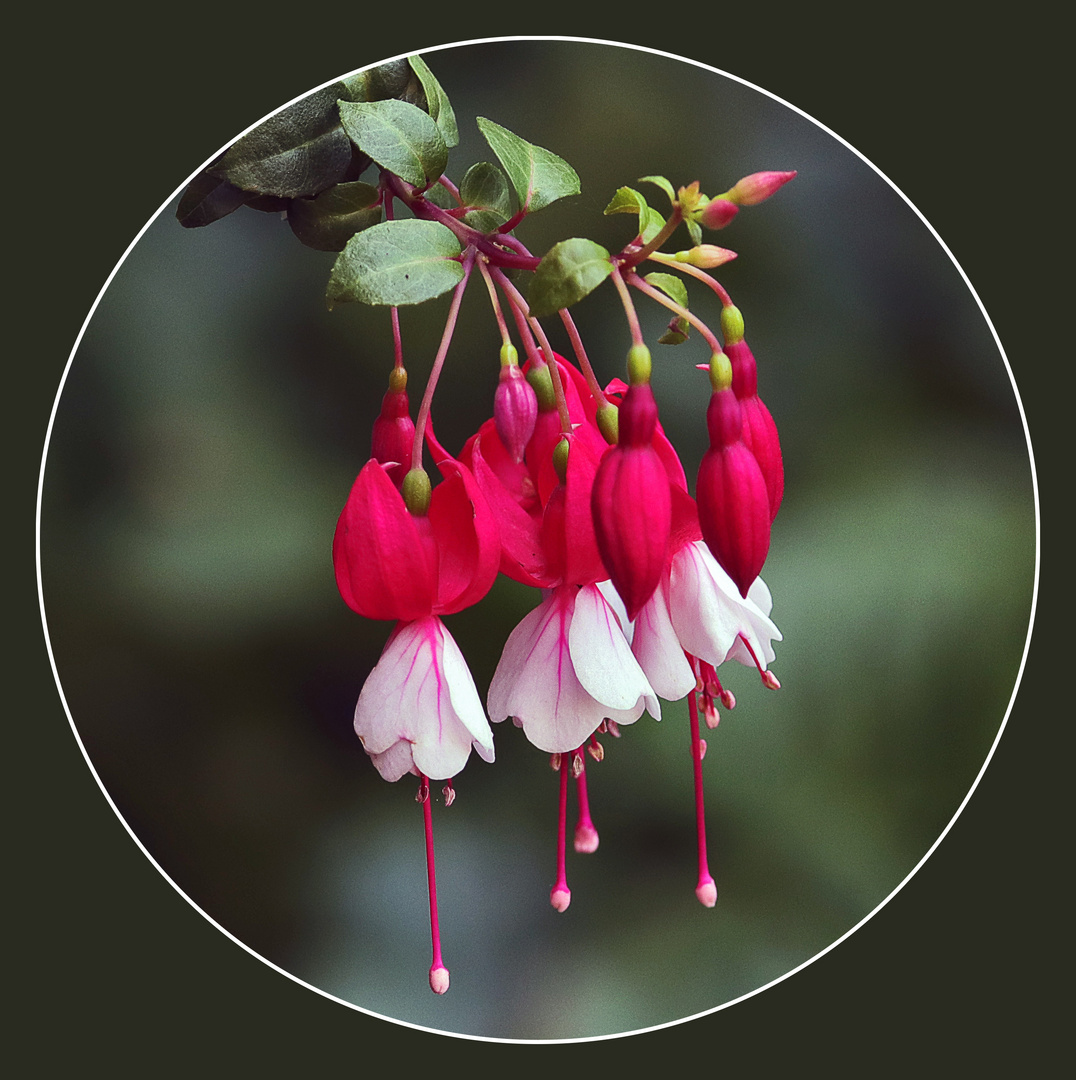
(418, 711)
(394, 430)
(759, 432)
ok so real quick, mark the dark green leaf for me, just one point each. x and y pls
(538, 176)
(399, 136)
(208, 199)
(397, 262)
(567, 272)
(329, 220)
(298, 152)
(437, 103)
(392, 80)
(672, 286)
(485, 191)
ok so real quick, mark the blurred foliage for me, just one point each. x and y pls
(207, 435)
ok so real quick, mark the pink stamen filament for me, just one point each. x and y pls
(706, 889)
(768, 678)
(560, 895)
(438, 971)
(586, 835)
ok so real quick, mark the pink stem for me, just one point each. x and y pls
(438, 971)
(706, 890)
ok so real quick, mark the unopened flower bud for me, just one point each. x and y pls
(394, 430)
(608, 421)
(631, 505)
(717, 213)
(705, 256)
(416, 492)
(515, 409)
(757, 187)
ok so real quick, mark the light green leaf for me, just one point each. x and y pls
(328, 221)
(399, 136)
(485, 190)
(397, 262)
(626, 201)
(436, 101)
(650, 224)
(538, 176)
(677, 332)
(567, 273)
(694, 231)
(661, 183)
(672, 286)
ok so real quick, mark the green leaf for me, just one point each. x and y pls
(399, 136)
(672, 286)
(392, 80)
(329, 220)
(206, 199)
(627, 201)
(661, 183)
(298, 152)
(567, 273)
(650, 224)
(437, 102)
(694, 231)
(538, 176)
(397, 262)
(677, 332)
(484, 191)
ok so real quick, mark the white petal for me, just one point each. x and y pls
(465, 700)
(395, 762)
(608, 590)
(704, 604)
(408, 697)
(658, 649)
(602, 657)
(535, 680)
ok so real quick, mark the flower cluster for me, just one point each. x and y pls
(575, 490)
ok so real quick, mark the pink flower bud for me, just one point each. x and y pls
(759, 431)
(631, 504)
(733, 503)
(757, 187)
(394, 430)
(515, 409)
(717, 213)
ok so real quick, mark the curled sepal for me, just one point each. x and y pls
(383, 566)
(419, 710)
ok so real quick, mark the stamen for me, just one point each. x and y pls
(586, 836)
(595, 749)
(705, 890)
(554, 762)
(438, 971)
(560, 895)
(449, 793)
(768, 678)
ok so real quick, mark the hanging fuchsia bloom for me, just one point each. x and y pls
(631, 502)
(418, 710)
(733, 502)
(515, 410)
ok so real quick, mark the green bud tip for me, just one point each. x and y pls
(542, 383)
(720, 371)
(608, 422)
(732, 324)
(509, 355)
(398, 379)
(560, 459)
(638, 365)
(416, 492)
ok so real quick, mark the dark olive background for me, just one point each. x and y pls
(765, 711)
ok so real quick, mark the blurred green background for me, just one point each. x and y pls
(206, 437)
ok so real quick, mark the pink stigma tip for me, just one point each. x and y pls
(439, 979)
(707, 893)
(560, 898)
(586, 841)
